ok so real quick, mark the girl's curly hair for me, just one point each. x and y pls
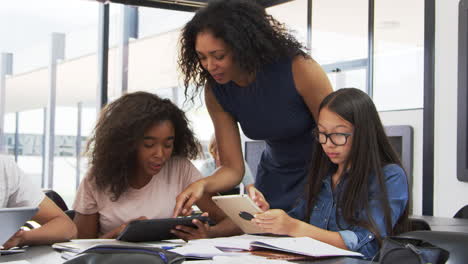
(254, 37)
(113, 145)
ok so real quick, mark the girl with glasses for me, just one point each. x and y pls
(357, 191)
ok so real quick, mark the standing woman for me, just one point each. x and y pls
(256, 74)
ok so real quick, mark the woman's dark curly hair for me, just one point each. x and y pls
(254, 37)
(119, 131)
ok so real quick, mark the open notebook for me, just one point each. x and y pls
(305, 246)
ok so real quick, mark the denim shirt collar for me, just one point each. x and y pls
(327, 181)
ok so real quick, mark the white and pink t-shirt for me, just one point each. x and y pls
(154, 200)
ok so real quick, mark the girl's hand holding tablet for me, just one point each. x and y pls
(276, 221)
(257, 197)
(188, 233)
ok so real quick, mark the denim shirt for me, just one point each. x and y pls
(324, 214)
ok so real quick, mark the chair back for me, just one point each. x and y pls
(418, 224)
(462, 213)
(54, 196)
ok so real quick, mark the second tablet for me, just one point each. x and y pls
(156, 229)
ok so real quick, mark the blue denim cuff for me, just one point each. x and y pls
(350, 239)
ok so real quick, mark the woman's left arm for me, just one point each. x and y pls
(206, 204)
(224, 226)
(311, 82)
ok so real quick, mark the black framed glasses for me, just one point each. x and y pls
(338, 139)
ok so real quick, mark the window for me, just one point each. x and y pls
(340, 41)
(30, 146)
(27, 89)
(399, 54)
(65, 162)
(9, 133)
(294, 15)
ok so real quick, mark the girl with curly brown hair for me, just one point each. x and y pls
(255, 73)
(139, 162)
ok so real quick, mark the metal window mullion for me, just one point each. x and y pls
(428, 112)
(57, 52)
(462, 123)
(370, 49)
(44, 131)
(6, 68)
(103, 54)
(78, 145)
(128, 29)
(16, 135)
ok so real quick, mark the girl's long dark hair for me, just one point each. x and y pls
(254, 37)
(113, 145)
(370, 152)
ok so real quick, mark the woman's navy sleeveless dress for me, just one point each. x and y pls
(271, 109)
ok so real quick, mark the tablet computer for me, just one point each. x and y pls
(12, 219)
(156, 229)
(241, 209)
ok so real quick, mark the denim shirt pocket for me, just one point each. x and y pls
(317, 214)
(318, 206)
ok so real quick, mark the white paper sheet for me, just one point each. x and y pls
(304, 246)
(203, 251)
(234, 243)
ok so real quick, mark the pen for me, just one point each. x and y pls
(169, 247)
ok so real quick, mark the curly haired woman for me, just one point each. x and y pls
(255, 73)
(139, 155)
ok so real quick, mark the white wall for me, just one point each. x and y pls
(412, 118)
(449, 193)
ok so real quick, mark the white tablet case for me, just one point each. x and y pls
(240, 208)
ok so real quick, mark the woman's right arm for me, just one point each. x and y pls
(87, 225)
(231, 171)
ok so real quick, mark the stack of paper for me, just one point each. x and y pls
(203, 251)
